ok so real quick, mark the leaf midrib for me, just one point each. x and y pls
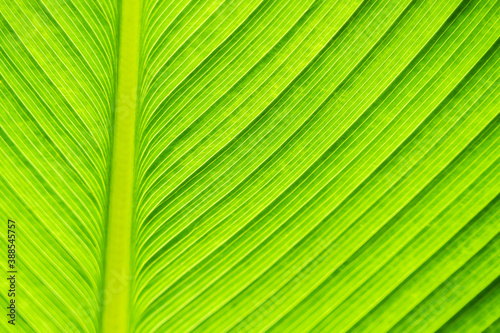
(115, 295)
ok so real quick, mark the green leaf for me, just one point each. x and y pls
(223, 165)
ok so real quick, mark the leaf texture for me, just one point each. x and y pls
(57, 73)
(300, 166)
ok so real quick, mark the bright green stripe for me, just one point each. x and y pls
(117, 269)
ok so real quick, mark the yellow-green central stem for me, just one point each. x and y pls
(117, 275)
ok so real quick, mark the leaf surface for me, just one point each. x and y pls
(296, 166)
